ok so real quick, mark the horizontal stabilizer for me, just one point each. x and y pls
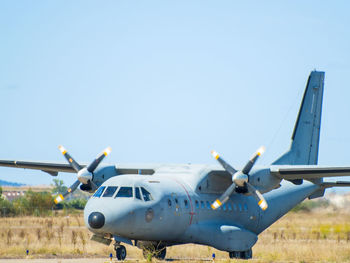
(335, 184)
(308, 172)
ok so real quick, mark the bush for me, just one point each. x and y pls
(34, 203)
(6, 208)
(75, 203)
(309, 205)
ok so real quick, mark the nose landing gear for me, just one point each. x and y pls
(241, 254)
(120, 251)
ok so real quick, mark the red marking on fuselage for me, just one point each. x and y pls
(189, 197)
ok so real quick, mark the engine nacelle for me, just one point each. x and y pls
(87, 188)
(263, 180)
(101, 174)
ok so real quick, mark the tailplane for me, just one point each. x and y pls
(306, 134)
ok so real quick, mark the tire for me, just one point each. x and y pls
(160, 253)
(234, 254)
(249, 254)
(120, 252)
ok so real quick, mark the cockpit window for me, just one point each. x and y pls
(110, 191)
(137, 193)
(99, 191)
(124, 192)
(146, 195)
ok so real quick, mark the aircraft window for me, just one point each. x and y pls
(124, 192)
(176, 201)
(197, 204)
(234, 207)
(110, 191)
(240, 207)
(137, 193)
(146, 195)
(169, 202)
(99, 191)
(229, 206)
(224, 207)
(202, 204)
(208, 205)
(186, 203)
(245, 207)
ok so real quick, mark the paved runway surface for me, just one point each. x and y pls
(61, 260)
(90, 260)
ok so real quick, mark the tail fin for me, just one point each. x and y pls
(306, 135)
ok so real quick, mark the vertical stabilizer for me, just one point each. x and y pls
(306, 134)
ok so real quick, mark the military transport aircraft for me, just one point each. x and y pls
(155, 206)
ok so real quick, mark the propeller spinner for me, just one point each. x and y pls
(240, 179)
(84, 174)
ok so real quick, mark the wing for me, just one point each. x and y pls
(55, 168)
(48, 167)
(294, 172)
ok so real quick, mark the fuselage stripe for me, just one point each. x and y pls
(189, 197)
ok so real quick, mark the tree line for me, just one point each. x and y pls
(39, 203)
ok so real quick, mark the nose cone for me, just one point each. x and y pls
(96, 220)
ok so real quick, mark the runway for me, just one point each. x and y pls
(96, 260)
(62, 260)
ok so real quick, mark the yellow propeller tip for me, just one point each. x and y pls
(263, 205)
(215, 154)
(216, 204)
(62, 149)
(261, 150)
(58, 199)
(107, 151)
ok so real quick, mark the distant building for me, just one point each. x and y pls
(12, 195)
(12, 192)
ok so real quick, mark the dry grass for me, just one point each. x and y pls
(298, 237)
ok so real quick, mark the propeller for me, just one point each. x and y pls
(85, 174)
(240, 180)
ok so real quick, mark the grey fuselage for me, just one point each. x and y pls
(179, 213)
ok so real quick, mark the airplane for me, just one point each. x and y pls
(155, 206)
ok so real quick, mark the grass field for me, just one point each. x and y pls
(298, 237)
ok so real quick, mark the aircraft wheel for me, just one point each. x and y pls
(160, 253)
(151, 251)
(241, 254)
(248, 254)
(120, 252)
(235, 254)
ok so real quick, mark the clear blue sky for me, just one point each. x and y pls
(167, 81)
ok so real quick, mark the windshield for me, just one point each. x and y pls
(146, 195)
(99, 191)
(124, 192)
(139, 193)
(110, 191)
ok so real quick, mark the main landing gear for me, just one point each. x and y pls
(120, 251)
(241, 254)
(150, 251)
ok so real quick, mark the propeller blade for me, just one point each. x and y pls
(72, 188)
(258, 196)
(224, 197)
(253, 159)
(69, 158)
(224, 164)
(91, 168)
